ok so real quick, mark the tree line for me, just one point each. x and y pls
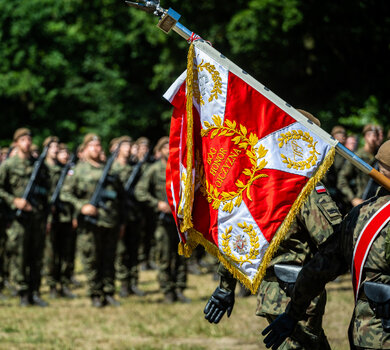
(68, 67)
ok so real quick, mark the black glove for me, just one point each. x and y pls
(220, 302)
(279, 330)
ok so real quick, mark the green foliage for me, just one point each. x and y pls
(68, 67)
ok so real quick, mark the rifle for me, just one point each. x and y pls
(133, 178)
(167, 218)
(54, 200)
(31, 188)
(100, 194)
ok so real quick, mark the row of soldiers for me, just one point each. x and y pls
(50, 200)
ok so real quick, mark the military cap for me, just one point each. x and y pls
(21, 132)
(125, 138)
(383, 154)
(143, 140)
(90, 137)
(113, 142)
(369, 127)
(50, 139)
(62, 146)
(160, 143)
(310, 117)
(338, 129)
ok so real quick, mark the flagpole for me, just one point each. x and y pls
(169, 20)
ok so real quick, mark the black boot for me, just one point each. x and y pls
(110, 300)
(66, 293)
(136, 291)
(35, 299)
(124, 291)
(169, 297)
(53, 293)
(96, 301)
(181, 297)
(24, 300)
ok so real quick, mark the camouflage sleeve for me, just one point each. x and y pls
(332, 260)
(320, 216)
(142, 189)
(227, 281)
(68, 193)
(345, 174)
(6, 196)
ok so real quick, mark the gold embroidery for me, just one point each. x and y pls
(215, 76)
(245, 143)
(240, 244)
(293, 136)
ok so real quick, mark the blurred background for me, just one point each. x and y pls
(68, 67)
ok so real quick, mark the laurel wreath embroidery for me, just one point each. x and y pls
(254, 243)
(304, 136)
(229, 129)
(215, 76)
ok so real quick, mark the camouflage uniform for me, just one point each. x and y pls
(351, 181)
(146, 252)
(335, 258)
(3, 244)
(150, 189)
(60, 247)
(330, 181)
(126, 264)
(26, 235)
(312, 227)
(97, 242)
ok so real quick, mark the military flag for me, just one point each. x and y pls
(242, 162)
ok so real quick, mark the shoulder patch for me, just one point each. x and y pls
(330, 210)
(320, 189)
(70, 172)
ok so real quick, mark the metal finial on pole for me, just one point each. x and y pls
(169, 20)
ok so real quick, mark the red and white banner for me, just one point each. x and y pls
(364, 242)
(242, 161)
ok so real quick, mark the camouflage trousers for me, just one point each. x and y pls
(367, 330)
(26, 241)
(126, 263)
(3, 255)
(98, 247)
(308, 334)
(147, 227)
(172, 268)
(60, 254)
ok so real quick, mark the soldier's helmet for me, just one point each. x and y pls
(383, 154)
(161, 143)
(21, 132)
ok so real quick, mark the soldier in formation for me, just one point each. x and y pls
(27, 218)
(151, 190)
(99, 224)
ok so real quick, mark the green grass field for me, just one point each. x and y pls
(146, 323)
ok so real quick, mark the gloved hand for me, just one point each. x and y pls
(221, 301)
(279, 330)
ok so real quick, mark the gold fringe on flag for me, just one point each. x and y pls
(189, 186)
(194, 237)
